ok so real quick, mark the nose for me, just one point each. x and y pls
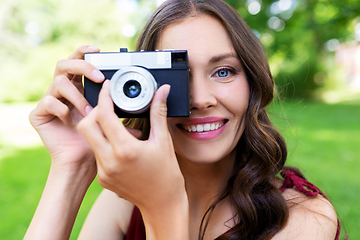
(201, 93)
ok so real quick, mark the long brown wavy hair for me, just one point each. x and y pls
(261, 152)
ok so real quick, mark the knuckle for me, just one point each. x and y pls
(127, 154)
(52, 105)
(110, 171)
(60, 64)
(47, 101)
(60, 80)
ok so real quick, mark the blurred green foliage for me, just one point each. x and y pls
(295, 33)
(35, 34)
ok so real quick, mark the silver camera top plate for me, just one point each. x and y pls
(117, 60)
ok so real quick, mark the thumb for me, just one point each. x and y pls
(158, 112)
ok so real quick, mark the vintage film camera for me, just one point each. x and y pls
(135, 76)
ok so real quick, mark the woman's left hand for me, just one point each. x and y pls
(145, 173)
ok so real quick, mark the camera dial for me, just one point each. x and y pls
(132, 89)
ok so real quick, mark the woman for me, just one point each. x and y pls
(212, 175)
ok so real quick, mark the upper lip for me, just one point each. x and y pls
(202, 120)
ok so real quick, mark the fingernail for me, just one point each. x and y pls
(88, 109)
(166, 92)
(98, 75)
(106, 82)
(93, 48)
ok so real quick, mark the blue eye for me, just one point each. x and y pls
(223, 73)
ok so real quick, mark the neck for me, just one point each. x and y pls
(206, 182)
(204, 185)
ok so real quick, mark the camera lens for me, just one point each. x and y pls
(132, 88)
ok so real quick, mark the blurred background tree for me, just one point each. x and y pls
(300, 37)
(35, 34)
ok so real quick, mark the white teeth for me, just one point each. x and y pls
(203, 127)
(199, 128)
(193, 129)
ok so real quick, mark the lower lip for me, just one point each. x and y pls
(206, 135)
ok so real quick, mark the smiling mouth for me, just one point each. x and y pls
(205, 127)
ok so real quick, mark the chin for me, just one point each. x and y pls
(204, 156)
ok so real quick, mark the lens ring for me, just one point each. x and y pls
(132, 89)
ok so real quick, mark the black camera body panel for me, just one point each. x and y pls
(175, 74)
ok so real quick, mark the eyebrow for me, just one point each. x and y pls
(221, 57)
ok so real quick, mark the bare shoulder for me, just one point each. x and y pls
(309, 217)
(109, 218)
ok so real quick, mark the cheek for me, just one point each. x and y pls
(236, 97)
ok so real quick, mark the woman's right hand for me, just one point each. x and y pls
(57, 114)
(73, 165)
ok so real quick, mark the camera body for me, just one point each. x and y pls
(134, 78)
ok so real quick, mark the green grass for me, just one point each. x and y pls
(22, 179)
(323, 141)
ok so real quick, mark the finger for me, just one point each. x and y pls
(158, 113)
(112, 127)
(48, 108)
(69, 68)
(91, 131)
(62, 88)
(93, 135)
(79, 53)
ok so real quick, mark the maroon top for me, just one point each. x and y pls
(136, 229)
(291, 179)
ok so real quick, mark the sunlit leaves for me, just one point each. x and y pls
(305, 33)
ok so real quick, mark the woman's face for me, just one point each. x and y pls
(219, 91)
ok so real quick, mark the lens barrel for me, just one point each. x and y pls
(132, 89)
